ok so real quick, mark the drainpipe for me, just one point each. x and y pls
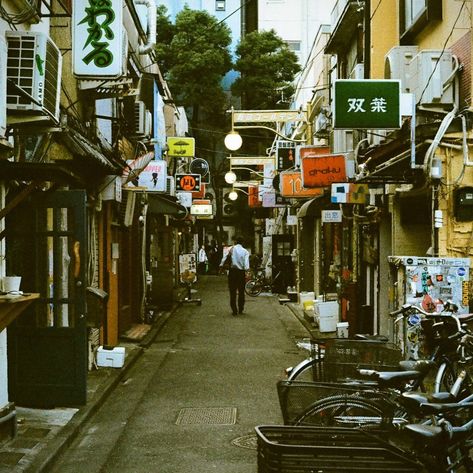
(149, 46)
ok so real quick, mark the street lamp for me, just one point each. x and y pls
(233, 195)
(233, 140)
(230, 177)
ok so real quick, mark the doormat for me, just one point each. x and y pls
(137, 332)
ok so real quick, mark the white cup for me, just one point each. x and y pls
(11, 283)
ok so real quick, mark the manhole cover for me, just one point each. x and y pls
(247, 441)
(207, 415)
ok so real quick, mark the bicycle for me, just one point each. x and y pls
(260, 283)
(376, 400)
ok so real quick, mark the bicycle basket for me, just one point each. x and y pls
(343, 357)
(285, 449)
(297, 398)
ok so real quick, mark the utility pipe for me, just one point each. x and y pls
(151, 17)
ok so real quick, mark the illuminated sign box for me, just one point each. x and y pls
(181, 146)
(366, 104)
(201, 209)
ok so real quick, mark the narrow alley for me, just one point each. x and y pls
(191, 402)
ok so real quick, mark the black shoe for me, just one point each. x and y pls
(235, 313)
(240, 311)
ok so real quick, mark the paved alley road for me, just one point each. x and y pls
(191, 402)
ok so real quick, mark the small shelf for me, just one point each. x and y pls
(12, 307)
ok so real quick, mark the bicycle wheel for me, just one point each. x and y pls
(343, 410)
(253, 287)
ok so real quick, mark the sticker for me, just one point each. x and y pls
(461, 271)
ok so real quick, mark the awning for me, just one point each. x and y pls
(314, 206)
(162, 204)
(79, 145)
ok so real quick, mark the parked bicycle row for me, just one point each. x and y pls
(364, 404)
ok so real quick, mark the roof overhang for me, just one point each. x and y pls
(345, 28)
(163, 204)
(26, 171)
(314, 206)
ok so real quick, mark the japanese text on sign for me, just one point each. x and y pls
(367, 104)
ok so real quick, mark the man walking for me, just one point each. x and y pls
(236, 275)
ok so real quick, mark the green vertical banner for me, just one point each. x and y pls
(366, 104)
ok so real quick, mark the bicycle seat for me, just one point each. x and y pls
(414, 400)
(391, 378)
(367, 336)
(417, 365)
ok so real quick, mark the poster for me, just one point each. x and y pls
(188, 268)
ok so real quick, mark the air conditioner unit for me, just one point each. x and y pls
(3, 87)
(140, 116)
(34, 64)
(428, 72)
(396, 64)
(143, 119)
(170, 185)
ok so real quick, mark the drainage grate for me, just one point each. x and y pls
(247, 441)
(207, 415)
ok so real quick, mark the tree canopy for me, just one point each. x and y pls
(194, 55)
(267, 67)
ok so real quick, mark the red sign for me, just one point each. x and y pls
(321, 171)
(290, 185)
(253, 200)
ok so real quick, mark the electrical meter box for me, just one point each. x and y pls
(463, 204)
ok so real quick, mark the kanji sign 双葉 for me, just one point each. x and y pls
(367, 104)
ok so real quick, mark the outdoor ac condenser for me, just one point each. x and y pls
(428, 73)
(34, 64)
(396, 64)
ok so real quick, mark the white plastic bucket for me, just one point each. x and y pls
(11, 283)
(305, 296)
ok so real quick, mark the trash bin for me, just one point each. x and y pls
(96, 300)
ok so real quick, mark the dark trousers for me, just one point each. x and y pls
(236, 284)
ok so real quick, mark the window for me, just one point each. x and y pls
(294, 46)
(220, 5)
(415, 15)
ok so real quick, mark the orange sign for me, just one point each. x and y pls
(187, 182)
(290, 185)
(321, 171)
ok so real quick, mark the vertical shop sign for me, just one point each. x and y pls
(98, 38)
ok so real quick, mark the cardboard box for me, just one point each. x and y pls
(111, 357)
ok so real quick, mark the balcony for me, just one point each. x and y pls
(345, 17)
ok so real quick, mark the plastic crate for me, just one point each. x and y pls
(296, 397)
(343, 357)
(285, 449)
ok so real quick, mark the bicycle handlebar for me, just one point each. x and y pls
(449, 311)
